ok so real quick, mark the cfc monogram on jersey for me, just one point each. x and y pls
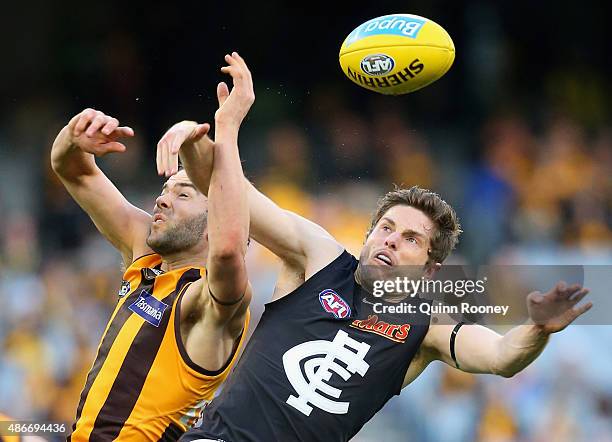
(319, 365)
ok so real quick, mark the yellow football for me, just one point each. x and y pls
(396, 54)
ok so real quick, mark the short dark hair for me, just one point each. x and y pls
(448, 229)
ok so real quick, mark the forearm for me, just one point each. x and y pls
(68, 161)
(518, 348)
(197, 160)
(228, 220)
(269, 224)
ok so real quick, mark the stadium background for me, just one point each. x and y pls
(516, 136)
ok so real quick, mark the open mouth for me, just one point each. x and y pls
(158, 218)
(383, 259)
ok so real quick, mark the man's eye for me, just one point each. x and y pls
(183, 195)
(411, 239)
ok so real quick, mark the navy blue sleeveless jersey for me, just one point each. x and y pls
(319, 365)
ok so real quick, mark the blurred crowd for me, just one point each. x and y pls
(528, 196)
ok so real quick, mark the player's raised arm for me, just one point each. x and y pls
(228, 213)
(88, 134)
(300, 243)
(477, 349)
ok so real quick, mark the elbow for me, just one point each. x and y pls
(505, 372)
(228, 253)
(508, 374)
(226, 264)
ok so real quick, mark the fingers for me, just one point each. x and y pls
(167, 155)
(578, 296)
(158, 157)
(222, 92)
(536, 297)
(582, 309)
(91, 121)
(96, 124)
(167, 152)
(165, 168)
(578, 311)
(123, 131)
(234, 105)
(200, 131)
(83, 121)
(109, 126)
(238, 69)
(569, 292)
(113, 146)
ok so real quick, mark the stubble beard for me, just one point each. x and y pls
(367, 274)
(178, 237)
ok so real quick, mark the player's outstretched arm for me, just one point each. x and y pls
(228, 211)
(215, 169)
(88, 134)
(481, 350)
(300, 243)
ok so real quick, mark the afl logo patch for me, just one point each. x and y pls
(377, 64)
(334, 304)
(125, 288)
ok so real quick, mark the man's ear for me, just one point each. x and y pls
(431, 269)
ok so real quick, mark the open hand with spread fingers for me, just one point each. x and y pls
(234, 105)
(557, 308)
(94, 132)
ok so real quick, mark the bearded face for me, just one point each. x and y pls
(168, 237)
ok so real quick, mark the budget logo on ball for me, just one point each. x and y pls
(377, 64)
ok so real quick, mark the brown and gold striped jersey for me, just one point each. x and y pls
(143, 386)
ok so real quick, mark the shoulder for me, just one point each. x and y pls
(320, 256)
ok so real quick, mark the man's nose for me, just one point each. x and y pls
(392, 240)
(162, 201)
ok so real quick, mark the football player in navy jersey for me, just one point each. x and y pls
(321, 362)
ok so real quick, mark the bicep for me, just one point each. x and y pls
(289, 236)
(122, 224)
(476, 347)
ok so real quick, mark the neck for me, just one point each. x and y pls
(190, 258)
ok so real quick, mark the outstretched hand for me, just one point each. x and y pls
(234, 105)
(183, 133)
(557, 308)
(94, 132)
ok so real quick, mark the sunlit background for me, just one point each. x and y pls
(517, 137)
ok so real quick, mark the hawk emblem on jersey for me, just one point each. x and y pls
(320, 364)
(125, 288)
(334, 304)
